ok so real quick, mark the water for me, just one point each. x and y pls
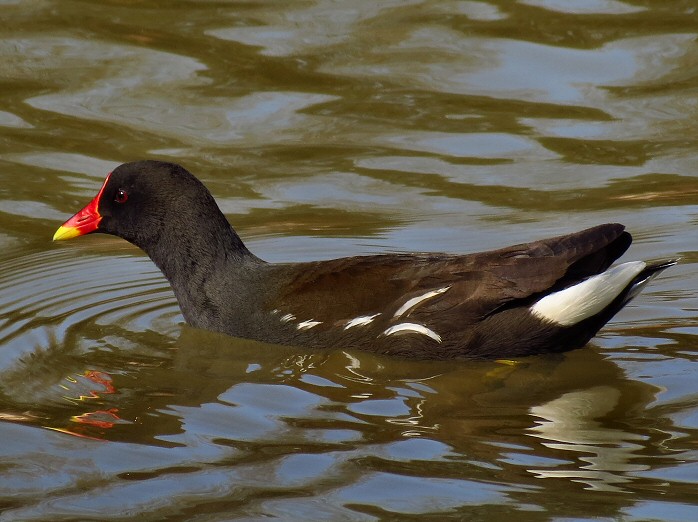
(339, 128)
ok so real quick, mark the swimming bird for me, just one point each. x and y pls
(550, 295)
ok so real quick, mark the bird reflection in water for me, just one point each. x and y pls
(90, 386)
(573, 423)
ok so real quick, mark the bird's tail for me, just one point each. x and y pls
(601, 295)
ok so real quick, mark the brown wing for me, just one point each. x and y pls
(525, 272)
(478, 284)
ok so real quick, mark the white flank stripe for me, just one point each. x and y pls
(288, 317)
(360, 321)
(583, 300)
(416, 300)
(413, 328)
(308, 324)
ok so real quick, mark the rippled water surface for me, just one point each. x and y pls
(325, 129)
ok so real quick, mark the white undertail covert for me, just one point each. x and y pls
(583, 300)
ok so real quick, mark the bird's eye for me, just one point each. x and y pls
(121, 196)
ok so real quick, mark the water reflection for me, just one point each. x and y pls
(242, 394)
(572, 423)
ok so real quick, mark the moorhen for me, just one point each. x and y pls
(550, 295)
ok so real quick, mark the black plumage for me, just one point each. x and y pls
(418, 305)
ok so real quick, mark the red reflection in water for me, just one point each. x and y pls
(91, 424)
(102, 378)
(99, 418)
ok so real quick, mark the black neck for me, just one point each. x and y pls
(212, 268)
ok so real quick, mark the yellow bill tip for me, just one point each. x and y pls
(65, 233)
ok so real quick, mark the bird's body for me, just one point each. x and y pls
(545, 296)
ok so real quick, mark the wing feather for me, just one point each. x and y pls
(480, 284)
